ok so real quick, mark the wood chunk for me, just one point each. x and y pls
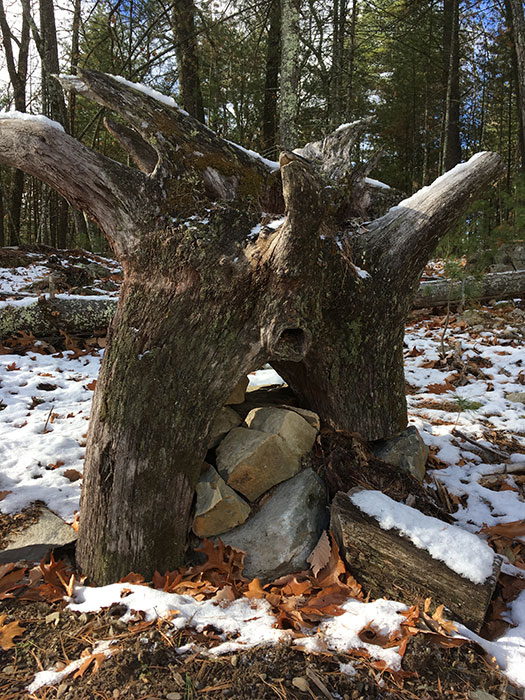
(388, 564)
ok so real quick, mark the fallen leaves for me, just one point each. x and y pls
(8, 631)
(510, 530)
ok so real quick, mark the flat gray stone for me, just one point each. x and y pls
(481, 695)
(516, 396)
(35, 542)
(282, 534)
(406, 451)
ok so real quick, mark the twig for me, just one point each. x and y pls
(442, 494)
(489, 450)
(48, 417)
(319, 683)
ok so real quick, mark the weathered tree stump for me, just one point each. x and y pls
(210, 294)
(388, 564)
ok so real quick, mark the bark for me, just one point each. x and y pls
(187, 57)
(271, 86)
(389, 565)
(203, 279)
(451, 137)
(517, 14)
(289, 84)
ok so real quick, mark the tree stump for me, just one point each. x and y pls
(211, 292)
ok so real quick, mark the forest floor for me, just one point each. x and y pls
(60, 638)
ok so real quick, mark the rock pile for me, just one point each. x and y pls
(256, 496)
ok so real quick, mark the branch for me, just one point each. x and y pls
(400, 242)
(181, 142)
(115, 196)
(296, 242)
(144, 155)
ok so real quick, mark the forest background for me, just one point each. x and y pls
(437, 80)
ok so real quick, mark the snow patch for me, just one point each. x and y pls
(23, 116)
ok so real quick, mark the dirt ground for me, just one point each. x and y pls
(147, 667)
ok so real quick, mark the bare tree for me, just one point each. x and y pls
(17, 69)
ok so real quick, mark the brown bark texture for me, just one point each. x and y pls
(211, 293)
(389, 564)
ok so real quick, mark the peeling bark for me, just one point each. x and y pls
(210, 293)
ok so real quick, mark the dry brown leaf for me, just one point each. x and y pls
(440, 388)
(72, 474)
(133, 578)
(8, 631)
(95, 659)
(508, 530)
(9, 580)
(320, 555)
(3, 494)
(445, 624)
(255, 590)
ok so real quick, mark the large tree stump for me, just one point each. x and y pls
(210, 294)
(388, 564)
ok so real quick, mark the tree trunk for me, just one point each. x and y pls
(18, 77)
(451, 138)
(517, 14)
(388, 564)
(187, 57)
(210, 293)
(289, 73)
(271, 86)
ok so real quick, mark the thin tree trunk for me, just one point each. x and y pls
(289, 85)
(271, 86)
(517, 16)
(18, 76)
(351, 62)
(451, 136)
(187, 57)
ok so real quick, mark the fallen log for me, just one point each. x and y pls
(45, 318)
(497, 285)
(81, 316)
(387, 563)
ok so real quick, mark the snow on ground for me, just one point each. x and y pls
(18, 285)
(44, 409)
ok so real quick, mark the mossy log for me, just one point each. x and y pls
(210, 292)
(495, 285)
(389, 565)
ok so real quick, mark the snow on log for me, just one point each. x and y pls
(397, 552)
